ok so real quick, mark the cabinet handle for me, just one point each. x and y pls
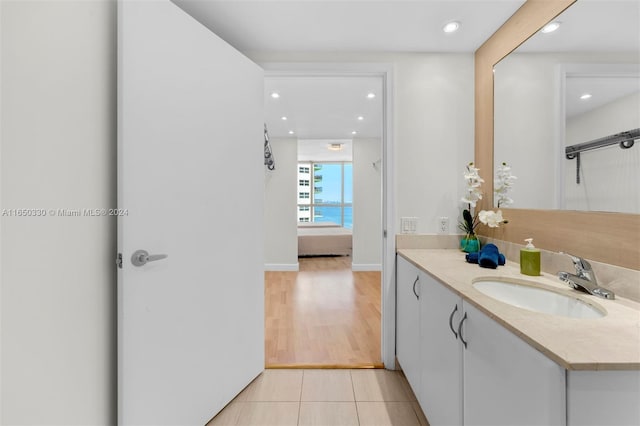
(414, 287)
(460, 330)
(451, 321)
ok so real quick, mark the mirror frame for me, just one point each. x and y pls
(612, 238)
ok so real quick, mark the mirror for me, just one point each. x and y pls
(538, 111)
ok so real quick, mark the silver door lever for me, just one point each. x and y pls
(141, 257)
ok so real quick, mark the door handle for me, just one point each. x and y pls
(451, 321)
(141, 257)
(414, 287)
(460, 330)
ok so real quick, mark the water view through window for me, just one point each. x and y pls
(330, 196)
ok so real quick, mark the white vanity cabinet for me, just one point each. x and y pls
(441, 354)
(464, 367)
(408, 321)
(603, 397)
(506, 381)
(427, 349)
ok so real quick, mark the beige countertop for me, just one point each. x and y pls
(608, 343)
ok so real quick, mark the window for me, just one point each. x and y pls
(304, 219)
(303, 169)
(331, 197)
(303, 182)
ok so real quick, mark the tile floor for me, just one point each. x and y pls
(325, 398)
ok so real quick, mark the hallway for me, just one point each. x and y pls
(325, 315)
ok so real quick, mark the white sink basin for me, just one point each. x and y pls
(537, 299)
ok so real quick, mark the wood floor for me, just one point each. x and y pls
(325, 315)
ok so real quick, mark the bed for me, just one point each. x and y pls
(323, 239)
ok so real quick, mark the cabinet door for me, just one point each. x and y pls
(441, 353)
(506, 381)
(604, 397)
(408, 321)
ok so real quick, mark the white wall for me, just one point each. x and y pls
(58, 280)
(281, 237)
(433, 127)
(280, 203)
(434, 136)
(609, 176)
(367, 205)
(58, 146)
(527, 118)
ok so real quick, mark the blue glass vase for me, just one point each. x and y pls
(470, 244)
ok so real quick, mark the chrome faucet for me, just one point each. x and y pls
(584, 279)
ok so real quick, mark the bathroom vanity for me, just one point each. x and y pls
(472, 359)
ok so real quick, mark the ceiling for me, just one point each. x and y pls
(326, 108)
(592, 26)
(604, 89)
(600, 28)
(350, 26)
(317, 150)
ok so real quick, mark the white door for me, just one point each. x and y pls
(190, 176)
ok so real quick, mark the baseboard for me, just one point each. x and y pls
(362, 365)
(361, 267)
(292, 267)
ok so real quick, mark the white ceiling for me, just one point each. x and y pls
(324, 107)
(604, 89)
(597, 27)
(327, 108)
(317, 150)
(349, 26)
(592, 26)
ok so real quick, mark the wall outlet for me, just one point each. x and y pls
(443, 225)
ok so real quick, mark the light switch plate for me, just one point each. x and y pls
(408, 225)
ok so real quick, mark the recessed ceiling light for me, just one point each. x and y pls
(371, 95)
(335, 146)
(451, 27)
(354, 133)
(585, 96)
(275, 95)
(360, 118)
(291, 132)
(283, 118)
(550, 27)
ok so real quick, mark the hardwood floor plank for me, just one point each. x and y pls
(325, 314)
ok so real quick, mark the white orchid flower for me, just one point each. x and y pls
(473, 177)
(490, 218)
(505, 201)
(473, 181)
(503, 184)
(472, 197)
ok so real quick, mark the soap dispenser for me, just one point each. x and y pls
(530, 259)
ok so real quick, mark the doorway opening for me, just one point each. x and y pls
(325, 315)
(323, 299)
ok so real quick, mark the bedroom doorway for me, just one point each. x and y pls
(323, 304)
